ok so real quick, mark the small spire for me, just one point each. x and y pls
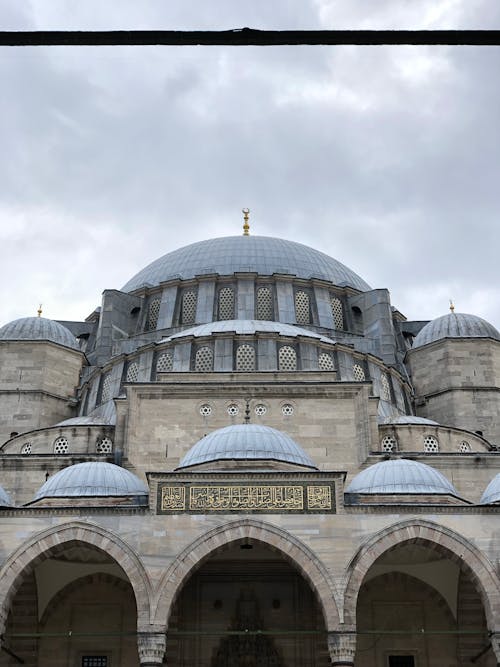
(247, 411)
(246, 226)
(452, 307)
(39, 311)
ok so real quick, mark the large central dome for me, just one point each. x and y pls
(260, 254)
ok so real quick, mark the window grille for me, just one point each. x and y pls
(204, 360)
(188, 312)
(260, 410)
(388, 443)
(337, 312)
(132, 372)
(385, 390)
(205, 410)
(401, 661)
(232, 410)
(106, 388)
(431, 444)
(61, 445)
(464, 447)
(325, 362)
(287, 410)
(26, 449)
(94, 661)
(359, 373)
(226, 303)
(287, 358)
(165, 363)
(264, 304)
(153, 313)
(245, 358)
(302, 310)
(104, 446)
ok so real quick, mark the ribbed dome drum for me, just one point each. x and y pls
(401, 476)
(455, 325)
(38, 328)
(93, 478)
(246, 442)
(264, 255)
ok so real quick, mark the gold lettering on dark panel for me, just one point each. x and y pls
(173, 498)
(319, 498)
(240, 498)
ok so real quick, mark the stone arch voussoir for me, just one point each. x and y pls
(292, 550)
(41, 545)
(435, 536)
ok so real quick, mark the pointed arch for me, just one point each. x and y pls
(292, 550)
(40, 546)
(437, 537)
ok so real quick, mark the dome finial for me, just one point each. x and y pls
(246, 226)
(39, 311)
(452, 307)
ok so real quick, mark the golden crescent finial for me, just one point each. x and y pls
(452, 307)
(246, 226)
(39, 311)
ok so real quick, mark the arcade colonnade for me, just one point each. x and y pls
(337, 592)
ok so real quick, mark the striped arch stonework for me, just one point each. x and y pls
(41, 545)
(292, 550)
(442, 539)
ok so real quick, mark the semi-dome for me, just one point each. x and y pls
(5, 500)
(93, 478)
(38, 328)
(264, 255)
(492, 492)
(455, 325)
(401, 476)
(246, 442)
(248, 327)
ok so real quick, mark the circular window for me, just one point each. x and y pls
(205, 410)
(232, 410)
(431, 444)
(104, 446)
(388, 443)
(464, 447)
(26, 449)
(61, 445)
(287, 409)
(260, 409)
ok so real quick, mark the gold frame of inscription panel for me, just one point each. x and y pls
(233, 497)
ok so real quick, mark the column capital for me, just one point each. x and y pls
(342, 647)
(152, 646)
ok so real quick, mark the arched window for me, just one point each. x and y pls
(337, 312)
(164, 363)
(106, 388)
(153, 313)
(385, 389)
(226, 303)
(287, 358)
(302, 307)
(188, 310)
(245, 358)
(359, 373)
(132, 372)
(388, 443)
(325, 362)
(104, 446)
(431, 444)
(204, 362)
(61, 445)
(264, 304)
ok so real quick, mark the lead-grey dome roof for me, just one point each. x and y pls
(5, 501)
(492, 492)
(93, 478)
(264, 255)
(38, 328)
(248, 327)
(455, 325)
(412, 419)
(401, 476)
(247, 442)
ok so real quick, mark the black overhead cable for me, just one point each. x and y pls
(247, 37)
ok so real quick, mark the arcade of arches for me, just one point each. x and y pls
(405, 602)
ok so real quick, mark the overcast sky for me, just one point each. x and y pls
(386, 158)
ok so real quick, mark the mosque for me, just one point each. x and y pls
(248, 456)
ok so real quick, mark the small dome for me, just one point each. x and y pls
(232, 254)
(246, 442)
(492, 492)
(455, 325)
(248, 327)
(401, 476)
(5, 501)
(94, 478)
(412, 419)
(38, 328)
